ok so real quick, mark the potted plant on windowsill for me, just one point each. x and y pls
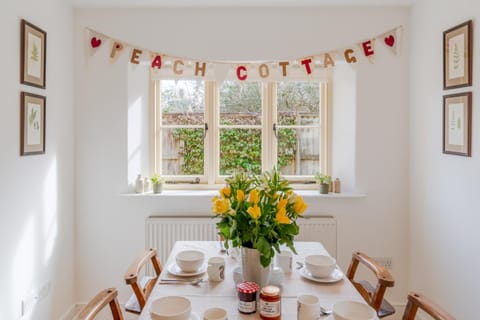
(324, 181)
(157, 183)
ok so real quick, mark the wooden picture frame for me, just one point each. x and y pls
(33, 52)
(457, 56)
(32, 123)
(457, 124)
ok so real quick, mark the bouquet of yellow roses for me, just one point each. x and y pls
(258, 212)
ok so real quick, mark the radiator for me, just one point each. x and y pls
(162, 232)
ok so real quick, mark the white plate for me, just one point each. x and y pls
(336, 275)
(329, 317)
(175, 270)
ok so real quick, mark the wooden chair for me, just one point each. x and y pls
(373, 296)
(107, 296)
(416, 301)
(142, 288)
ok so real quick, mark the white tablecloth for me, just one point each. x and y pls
(223, 294)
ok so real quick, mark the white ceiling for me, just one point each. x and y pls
(236, 3)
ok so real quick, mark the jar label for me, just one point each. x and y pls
(270, 309)
(247, 306)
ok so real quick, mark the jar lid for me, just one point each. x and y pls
(247, 287)
(270, 291)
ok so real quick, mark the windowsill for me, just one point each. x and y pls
(211, 193)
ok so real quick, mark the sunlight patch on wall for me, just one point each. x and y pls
(23, 263)
(135, 129)
(50, 220)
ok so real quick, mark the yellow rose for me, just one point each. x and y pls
(225, 192)
(254, 197)
(254, 212)
(282, 216)
(221, 206)
(240, 195)
(300, 206)
(282, 203)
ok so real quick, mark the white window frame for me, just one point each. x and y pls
(211, 177)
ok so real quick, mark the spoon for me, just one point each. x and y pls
(324, 311)
(195, 282)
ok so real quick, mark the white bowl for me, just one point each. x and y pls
(190, 260)
(215, 314)
(320, 266)
(171, 308)
(353, 310)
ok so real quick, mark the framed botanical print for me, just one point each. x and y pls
(32, 124)
(33, 43)
(457, 124)
(457, 56)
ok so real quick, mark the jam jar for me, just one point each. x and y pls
(247, 297)
(270, 303)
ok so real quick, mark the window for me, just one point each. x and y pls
(204, 131)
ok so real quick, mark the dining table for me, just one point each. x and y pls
(208, 294)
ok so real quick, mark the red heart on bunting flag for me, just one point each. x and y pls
(95, 42)
(389, 41)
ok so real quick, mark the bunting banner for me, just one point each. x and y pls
(165, 65)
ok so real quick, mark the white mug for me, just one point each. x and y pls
(215, 314)
(308, 307)
(216, 269)
(284, 261)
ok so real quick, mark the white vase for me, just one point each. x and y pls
(139, 184)
(252, 269)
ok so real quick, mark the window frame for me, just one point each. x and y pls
(211, 177)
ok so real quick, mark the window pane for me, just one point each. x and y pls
(296, 99)
(182, 151)
(298, 151)
(182, 102)
(240, 151)
(241, 103)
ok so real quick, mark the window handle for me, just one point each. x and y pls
(275, 130)
(205, 132)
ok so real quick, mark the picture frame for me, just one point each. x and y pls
(457, 124)
(457, 56)
(33, 52)
(32, 123)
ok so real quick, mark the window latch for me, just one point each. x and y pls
(275, 130)
(205, 132)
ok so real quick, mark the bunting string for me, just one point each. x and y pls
(315, 65)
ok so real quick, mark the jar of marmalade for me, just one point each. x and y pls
(270, 303)
(247, 297)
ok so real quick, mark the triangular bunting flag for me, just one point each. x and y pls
(95, 41)
(390, 40)
(368, 49)
(116, 50)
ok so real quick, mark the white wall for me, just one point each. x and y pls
(36, 193)
(110, 227)
(444, 202)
